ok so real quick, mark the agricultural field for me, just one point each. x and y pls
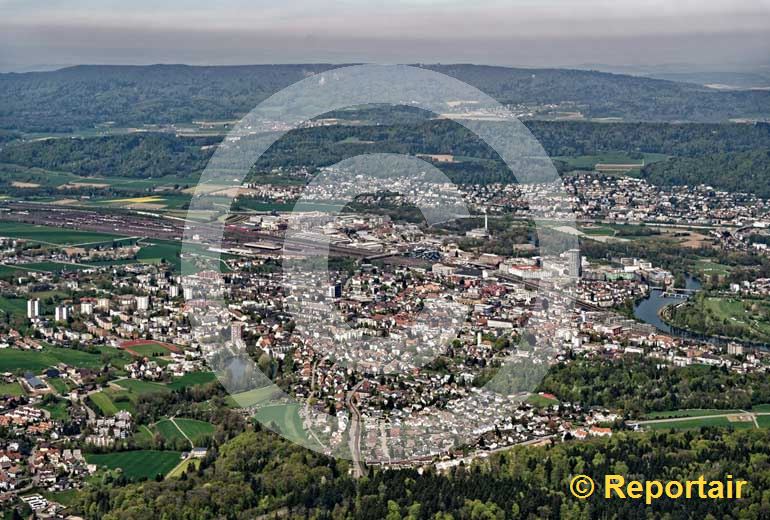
(14, 306)
(693, 424)
(149, 349)
(194, 430)
(192, 379)
(693, 412)
(34, 177)
(139, 387)
(14, 389)
(137, 465)
(53, 235)
(104, 403)
(14, 360)
(589, 162)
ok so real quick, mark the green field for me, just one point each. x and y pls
(104, 403)
(708, 267)
(588, 162)
(59, 384)
(192, 379)
(181, 468)
(137, 465)
(540, 401)
(59, 410)
(66, 498)
(52, 235)
(286, 418)
(51, 178)
(14, 389)
(168, 431)
(150, 349)
(14, 306)
(194, 429)
(761, 408)
(742, 318)
(13, 360)
(252, 397)
(139, 387)
(692, 412)
(693, 424)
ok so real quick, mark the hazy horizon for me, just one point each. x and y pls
(704, 35)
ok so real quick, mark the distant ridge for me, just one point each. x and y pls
(129, 95)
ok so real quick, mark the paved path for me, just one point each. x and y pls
(744, 413)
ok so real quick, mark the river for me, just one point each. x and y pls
(646, 310)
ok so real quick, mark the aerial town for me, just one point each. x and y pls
(415, 345)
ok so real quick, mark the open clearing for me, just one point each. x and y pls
(137, 465)
(192, 379)
(12, 360)
(286, 418)
(182, 467)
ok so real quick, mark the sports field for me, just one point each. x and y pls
(137, 465)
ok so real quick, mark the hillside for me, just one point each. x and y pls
(83, 96)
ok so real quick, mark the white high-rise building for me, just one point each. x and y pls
(142, 303)
(236, 332)
(33, 309)
(86, 307)
(61, 313)
(173, 291)
(575, 263)
(188, 293)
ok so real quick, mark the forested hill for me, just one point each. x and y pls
(84, 96)
(260, 475)
(728, 156)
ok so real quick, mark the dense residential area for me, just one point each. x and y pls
(337, 358)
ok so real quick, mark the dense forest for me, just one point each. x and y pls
(735, 171)
(737, 147)
(638, 385)
(259, 475)
(84, 96)
(140, 155)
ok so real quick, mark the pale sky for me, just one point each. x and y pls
(513, 32)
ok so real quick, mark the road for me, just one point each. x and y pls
(359, 468)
